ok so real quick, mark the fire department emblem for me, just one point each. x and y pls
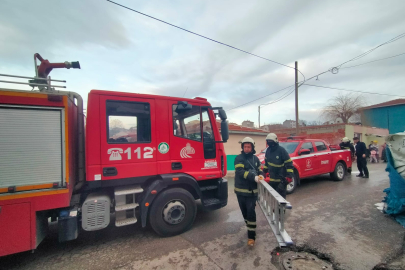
(309, 163)
(186, 151)
(163, 148)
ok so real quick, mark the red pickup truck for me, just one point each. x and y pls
(313, 157)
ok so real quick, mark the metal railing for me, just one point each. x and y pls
(274, 207)
(41, 83)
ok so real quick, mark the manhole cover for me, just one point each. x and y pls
(303, 261)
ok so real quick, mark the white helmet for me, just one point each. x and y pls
(345, 139)
(272, 137)
(248, 140)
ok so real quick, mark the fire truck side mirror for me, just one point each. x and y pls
(183, 106)
(224, 131)
(222, 114)
(304, 152)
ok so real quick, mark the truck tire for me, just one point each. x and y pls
(293, 185)
(173, 212)
(339, 173)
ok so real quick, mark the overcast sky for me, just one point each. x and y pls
(124, 51)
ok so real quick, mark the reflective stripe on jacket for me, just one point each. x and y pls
(246, 168)
(278, 164)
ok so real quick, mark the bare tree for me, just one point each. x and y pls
(344, 106)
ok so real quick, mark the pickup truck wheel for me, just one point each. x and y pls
(173, 212)
(293, 185)
(339, 172)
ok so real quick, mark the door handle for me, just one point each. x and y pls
(110, 171)
(177, 166)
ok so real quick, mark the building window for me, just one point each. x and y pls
(320, 146)
(187, 124)
(128, 122)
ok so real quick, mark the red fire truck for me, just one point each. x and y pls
(141, 157)
(313, 157)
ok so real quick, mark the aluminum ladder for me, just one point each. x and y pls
(274, 206)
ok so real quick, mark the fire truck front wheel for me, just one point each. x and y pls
(173, 212)
(339, 173)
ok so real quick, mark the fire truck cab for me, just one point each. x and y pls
(145, 158)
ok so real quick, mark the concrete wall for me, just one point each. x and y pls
(390, 118)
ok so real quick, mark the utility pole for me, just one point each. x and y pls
(259, 115)
(296, 100)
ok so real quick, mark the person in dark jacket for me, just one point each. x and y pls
(361, 154)
(248, 173)
(384, 153)
(279, 165)
(345, 144)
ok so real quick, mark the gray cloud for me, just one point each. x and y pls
(49, 26)
(149, 57)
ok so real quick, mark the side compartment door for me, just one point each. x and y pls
(324, 157)
(128, 143)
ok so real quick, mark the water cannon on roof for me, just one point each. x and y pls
(44, 69)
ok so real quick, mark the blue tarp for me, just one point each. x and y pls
(395, 198)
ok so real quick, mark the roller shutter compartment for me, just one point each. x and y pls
(31, 146)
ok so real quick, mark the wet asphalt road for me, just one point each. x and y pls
(336, 218)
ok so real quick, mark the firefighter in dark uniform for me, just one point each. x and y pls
(345, 144)
(278, 164)
(247, 173)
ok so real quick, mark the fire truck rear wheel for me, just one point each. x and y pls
(339, 172)
(173, 212)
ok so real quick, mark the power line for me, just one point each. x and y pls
(349, 90)
(356, 58)
(339, 66)
(272, 93)
(371, 50)
(213, 40)
(281, 98)
(375, 60)
(185, 92)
